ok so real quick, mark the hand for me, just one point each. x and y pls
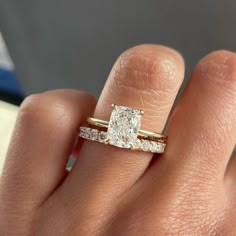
(189, 190)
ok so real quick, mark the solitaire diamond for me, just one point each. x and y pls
(124, 126)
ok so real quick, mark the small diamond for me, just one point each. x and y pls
(137, 144)
(83, 132)
(163, 147)
(102, 136)
(94, 134)
(159, 147)
(145, 145)
(87, 133)
(153, 146)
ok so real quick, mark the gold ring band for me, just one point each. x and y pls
(142, 133)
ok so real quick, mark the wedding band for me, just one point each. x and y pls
(140, 144)
(123, 130)
(142, 133)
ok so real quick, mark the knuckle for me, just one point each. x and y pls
(41, 107)
(185, 208)
(178, 217)
(219, 66)
(29, 103)
(151, 74)
(149, 67)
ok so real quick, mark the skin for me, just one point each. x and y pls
(189, 190)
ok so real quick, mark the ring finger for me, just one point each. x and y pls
(145, 77)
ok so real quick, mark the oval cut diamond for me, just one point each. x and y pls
(124, 126)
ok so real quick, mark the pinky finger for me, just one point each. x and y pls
(43, 139)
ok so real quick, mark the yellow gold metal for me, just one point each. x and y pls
(142, 112)
(142, 133)
(114, 106)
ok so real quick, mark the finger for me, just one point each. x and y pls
(202, 130)
(145, 77)
(42, 141)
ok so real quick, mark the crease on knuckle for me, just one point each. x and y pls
(219, 66)
(151, 72)
(212, 140)
(38, 106)
(190, 215)
(144, 78)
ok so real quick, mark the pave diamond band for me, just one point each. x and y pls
(139, 144)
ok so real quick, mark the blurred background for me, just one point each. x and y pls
(73, 43)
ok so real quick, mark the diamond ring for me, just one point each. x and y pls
(142, 133)
(123, 130)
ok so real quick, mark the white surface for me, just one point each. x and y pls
(8, 115)
(5, 60)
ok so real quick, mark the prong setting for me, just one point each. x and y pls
(141, 112)
(107, 141)
(114, 106)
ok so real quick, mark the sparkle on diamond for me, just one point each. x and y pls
(124, 126)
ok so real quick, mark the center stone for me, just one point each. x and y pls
(124, 126)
